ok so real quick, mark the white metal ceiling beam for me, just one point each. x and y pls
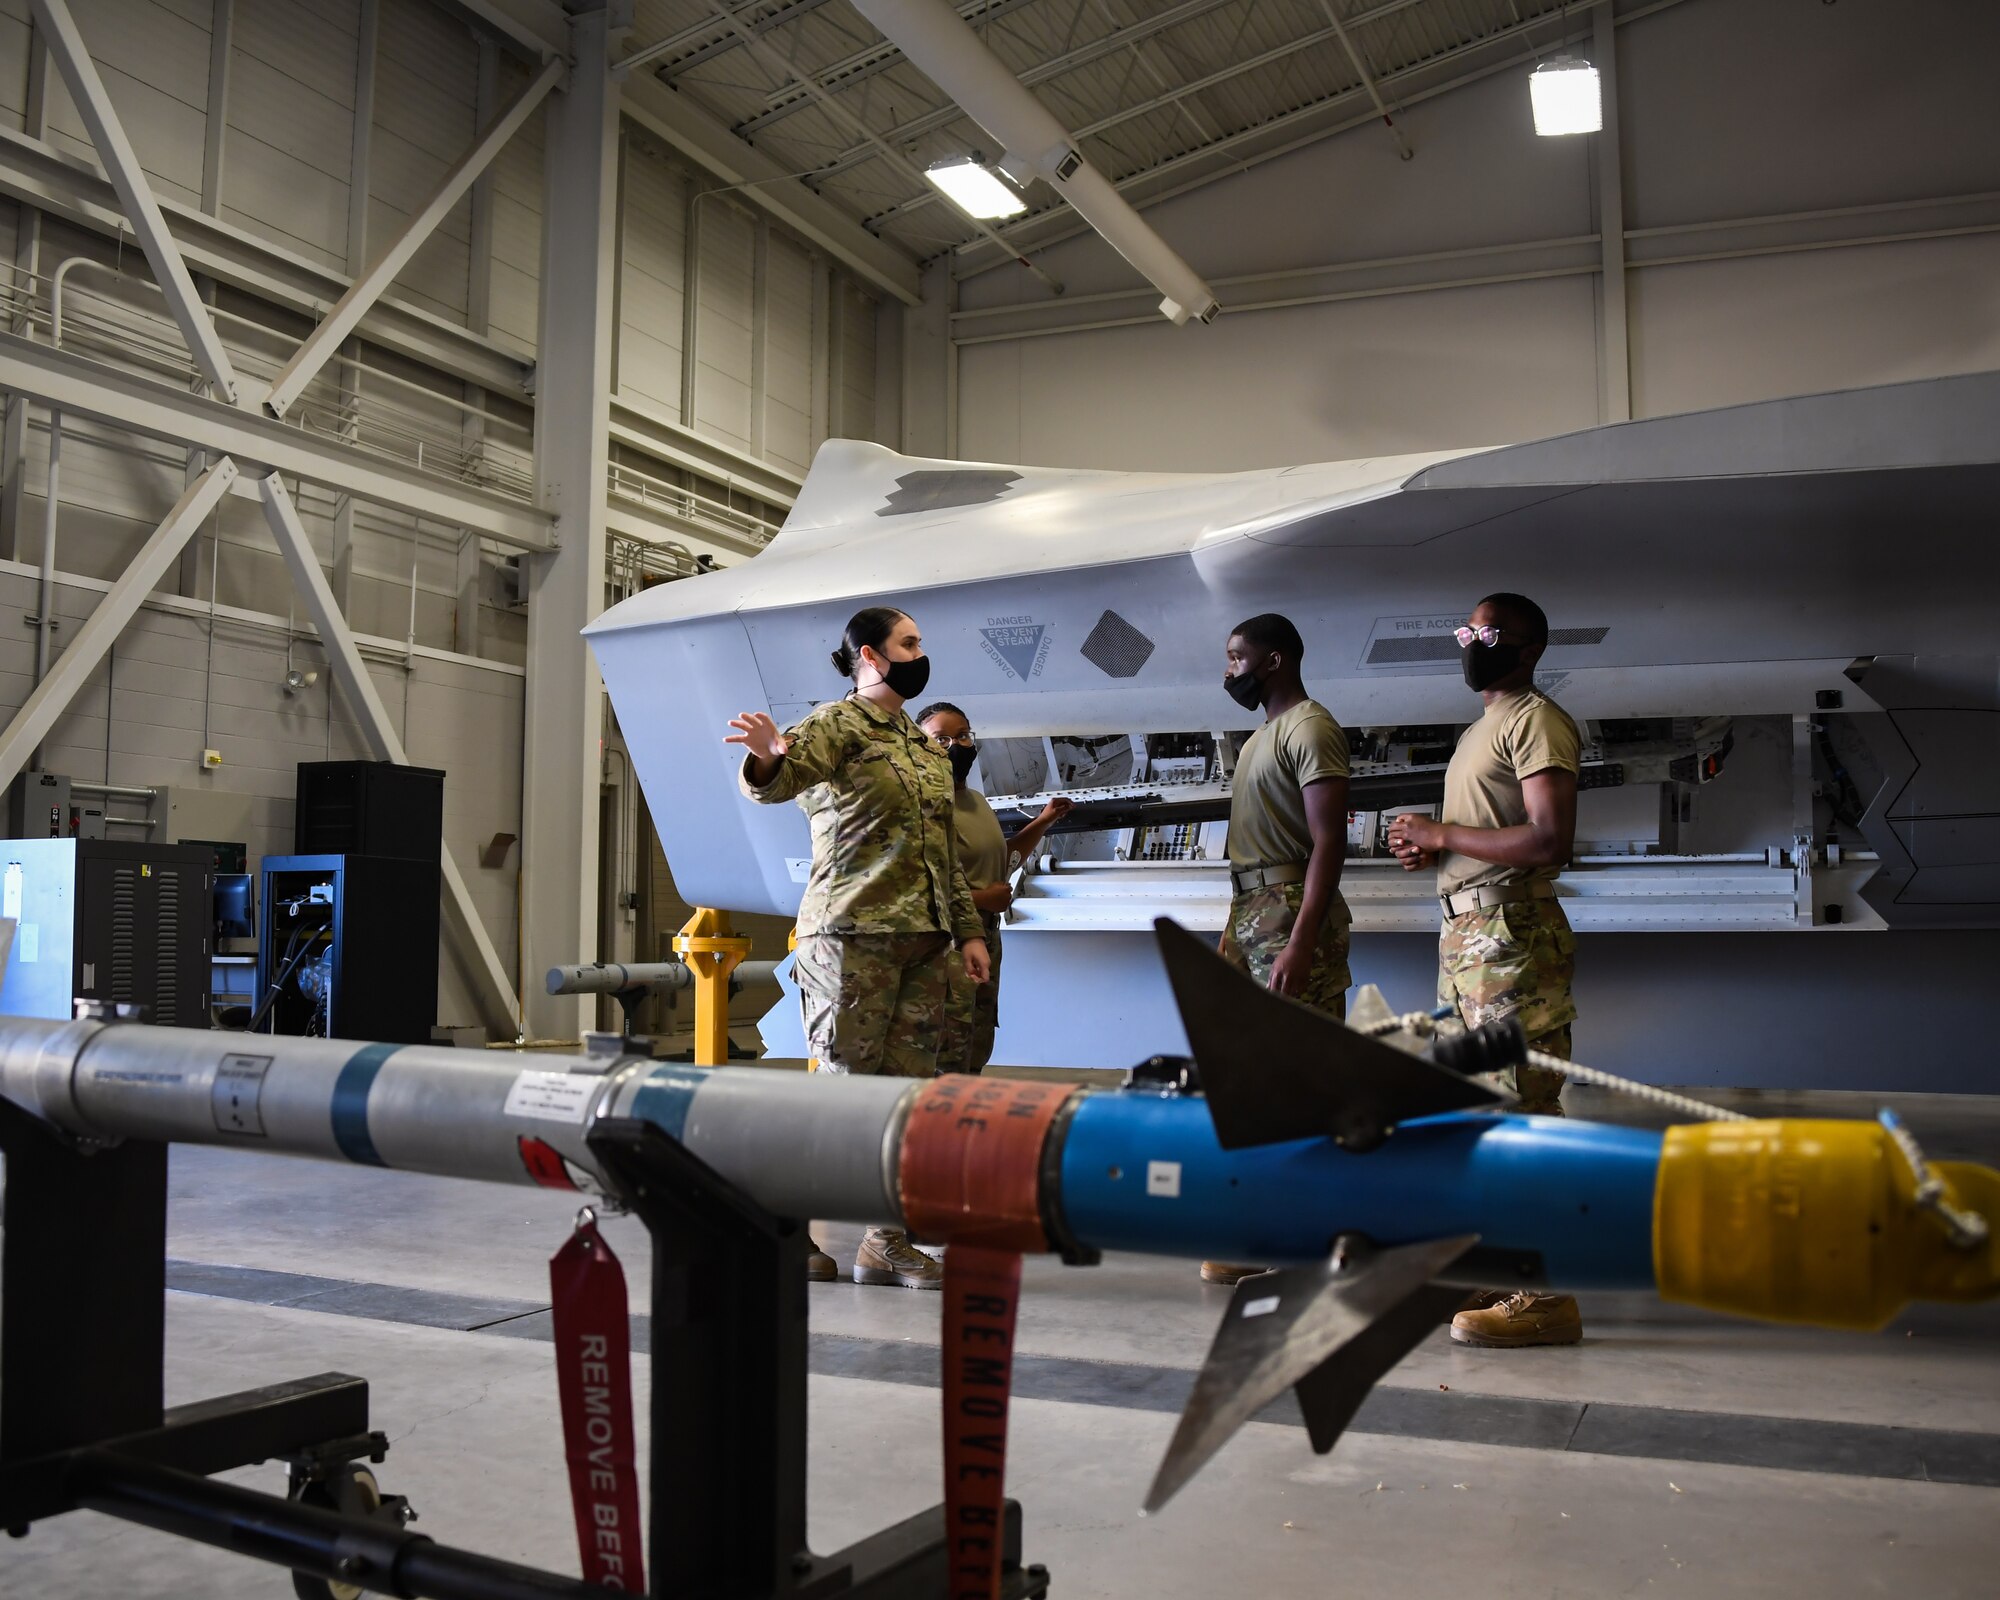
(347, 313)
(95, 389)
(1041, 72)
(121, 164)
(1160, 101)
(492, 986)
(952, 56)
(44, 708)
(775, 61)
(862, 65)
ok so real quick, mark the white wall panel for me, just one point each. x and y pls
(790, 343)
(154, 64)
(1719, 332)
(653, 269)
(857, 362)
(723, 320)
(15, 33)
(291, 123)
(1316, 383)
(514, 306)
(426, 96)
(1765, 106)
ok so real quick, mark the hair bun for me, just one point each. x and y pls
(843, 662)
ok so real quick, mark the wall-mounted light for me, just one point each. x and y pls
(975, 188)
(1567, 97)
(296, 682)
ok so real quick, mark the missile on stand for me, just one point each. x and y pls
(1377, 1173)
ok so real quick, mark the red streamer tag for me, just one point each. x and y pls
(982, 1291)
(594, 1376)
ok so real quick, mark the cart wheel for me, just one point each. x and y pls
(352, 1491)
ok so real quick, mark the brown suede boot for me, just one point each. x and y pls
(1522, 1318)
(886, 1256)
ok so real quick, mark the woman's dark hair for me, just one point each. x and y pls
(870, 628)
(946, 706)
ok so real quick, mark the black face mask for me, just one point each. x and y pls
(1486, 664)
(962, 757)
(1245, 689)
(907, 678)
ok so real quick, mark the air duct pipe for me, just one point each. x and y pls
(949, 53)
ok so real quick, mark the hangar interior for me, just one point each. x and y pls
(358, 355)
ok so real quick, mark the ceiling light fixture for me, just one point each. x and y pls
(975, 188)
(1567, 96)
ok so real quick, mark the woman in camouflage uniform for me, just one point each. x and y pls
(886, 899)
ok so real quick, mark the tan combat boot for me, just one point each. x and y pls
(887, 1256)
(1522, 1318)
(1229, 1272)
(821, 1267)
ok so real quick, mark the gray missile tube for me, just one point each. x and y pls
(809, 1146)
(610, 977)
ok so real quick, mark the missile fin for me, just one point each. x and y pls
(1275, 1070)
(1332, 1329)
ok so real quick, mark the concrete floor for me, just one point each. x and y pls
(1670, 1454)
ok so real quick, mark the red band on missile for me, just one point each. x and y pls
(972, 1157)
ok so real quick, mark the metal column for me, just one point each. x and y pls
(565, 713)
(1614, 347)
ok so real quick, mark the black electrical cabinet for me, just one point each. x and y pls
(142, 931)
(370, 808)
(347, 947)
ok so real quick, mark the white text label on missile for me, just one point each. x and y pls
(1163, 1178)
(552, 1096)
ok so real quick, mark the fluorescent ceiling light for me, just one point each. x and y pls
(1566, 96)
(976, 189)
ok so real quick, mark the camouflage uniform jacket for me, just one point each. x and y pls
(879, 796)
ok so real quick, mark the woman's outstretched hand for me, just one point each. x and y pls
(758, 734)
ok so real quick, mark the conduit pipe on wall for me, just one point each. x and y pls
(951, 55)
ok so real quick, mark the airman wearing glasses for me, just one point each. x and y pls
(972, 1010)
(1506, 830)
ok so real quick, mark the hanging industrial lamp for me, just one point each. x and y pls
(975, 188)
(1567, 97)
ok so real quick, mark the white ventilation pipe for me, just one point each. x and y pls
(950, 54)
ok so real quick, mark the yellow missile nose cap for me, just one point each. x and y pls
(1838, 1224)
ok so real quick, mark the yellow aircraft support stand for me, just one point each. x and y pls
(711, 950)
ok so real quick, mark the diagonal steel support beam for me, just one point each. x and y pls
(52, 696)
(121, 165)
(76, 384)
(491, 983)
(348, 311)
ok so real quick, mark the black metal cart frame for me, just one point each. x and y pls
(84, 1424)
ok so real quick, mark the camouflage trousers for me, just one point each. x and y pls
(873, 1002)
(971, 1011)
(1515, 961)
(1260, 927)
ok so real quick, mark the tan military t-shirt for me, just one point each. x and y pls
(1267, 803)
(1521, 734)
(982, 842)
